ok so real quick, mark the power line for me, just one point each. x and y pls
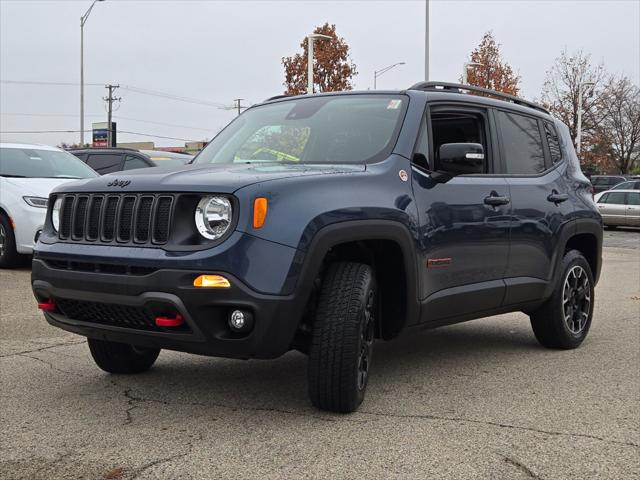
(118, 117)
(170, 96)
(78, 131)
(36, 82)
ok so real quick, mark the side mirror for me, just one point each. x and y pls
(460, 158)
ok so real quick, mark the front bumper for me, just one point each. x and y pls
(205, 311)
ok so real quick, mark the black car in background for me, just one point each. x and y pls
(107, 160)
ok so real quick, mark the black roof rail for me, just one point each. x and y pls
(460, 88)
(276, 97)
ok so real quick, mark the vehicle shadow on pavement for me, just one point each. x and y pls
(280, 385)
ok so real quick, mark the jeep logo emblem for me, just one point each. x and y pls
(118, 183)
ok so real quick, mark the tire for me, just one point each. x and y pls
(570, 299)
(115, 357)
(9, 256)
(342, 338)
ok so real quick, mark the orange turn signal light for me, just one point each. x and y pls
(211, 281)
(259, 212)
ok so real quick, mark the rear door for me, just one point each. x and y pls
(632, 216)
(613, 208)
(535, 171)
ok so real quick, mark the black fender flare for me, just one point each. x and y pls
(304, 272)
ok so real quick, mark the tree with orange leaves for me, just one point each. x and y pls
(492, 72)
(333, 69)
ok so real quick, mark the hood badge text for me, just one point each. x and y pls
(118, 183)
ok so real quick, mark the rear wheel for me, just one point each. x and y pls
(116, 357)
(564, 320)
(343, 335)
(9, 256)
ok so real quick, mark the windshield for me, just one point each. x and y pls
(34, 163)
(326, 129)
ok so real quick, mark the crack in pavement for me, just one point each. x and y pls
(521, 466)
(498, 424)
(17, 354)
(50, 365)
(131, 399)
(161, 461)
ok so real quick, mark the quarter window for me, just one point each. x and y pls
(104, 163)
(132, 162)
(522, 143)
(553, 141)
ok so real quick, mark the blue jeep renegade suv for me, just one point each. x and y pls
(323, 222)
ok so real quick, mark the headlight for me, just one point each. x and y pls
(36, 201)
(55, 213)
(213, 217)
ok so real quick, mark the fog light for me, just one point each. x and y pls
(240, 321)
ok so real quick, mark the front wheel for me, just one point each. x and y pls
(9, 256)
(342, 340)
(564, 320)
(116, 357)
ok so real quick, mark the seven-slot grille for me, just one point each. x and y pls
(120, 218)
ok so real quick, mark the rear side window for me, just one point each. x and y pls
(553, 141)
(104, 162)
(633, 198)
(522, 143)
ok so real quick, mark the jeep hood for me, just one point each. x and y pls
(222, 178)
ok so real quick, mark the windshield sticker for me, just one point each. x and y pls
(394, 104)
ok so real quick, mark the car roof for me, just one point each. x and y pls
(622, 190)
(34, 146)
(451, 92)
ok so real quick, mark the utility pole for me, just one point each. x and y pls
(238, 105)
(426, 42)
(110, 99)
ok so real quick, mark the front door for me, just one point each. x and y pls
(613, 208)
(464, 222)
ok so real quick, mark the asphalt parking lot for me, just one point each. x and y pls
(475, 400)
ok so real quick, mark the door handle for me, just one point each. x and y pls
(557, 198)
(495, 200)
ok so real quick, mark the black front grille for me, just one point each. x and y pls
(141, 318)
(117, 218)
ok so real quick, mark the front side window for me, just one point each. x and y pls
(35, 163)
(324, 130)
(458, 127)
(616, 198)
(522, 143)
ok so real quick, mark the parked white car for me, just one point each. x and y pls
(28, 173)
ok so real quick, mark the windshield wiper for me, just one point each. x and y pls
(62, 176)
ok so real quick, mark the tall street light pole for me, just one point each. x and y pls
(377, 73)
(310, 39)
(83, 20)
(579, 129)
(465, 70)
(426, 42)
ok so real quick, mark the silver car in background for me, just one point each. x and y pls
(620, 208)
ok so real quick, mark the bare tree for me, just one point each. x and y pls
(561, 90)
(619, 110)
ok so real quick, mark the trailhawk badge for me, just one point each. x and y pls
(118, 183)
(403, 175)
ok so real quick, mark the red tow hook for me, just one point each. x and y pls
(48, 306)
(170, 321)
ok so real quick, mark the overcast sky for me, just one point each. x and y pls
(220, 50)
